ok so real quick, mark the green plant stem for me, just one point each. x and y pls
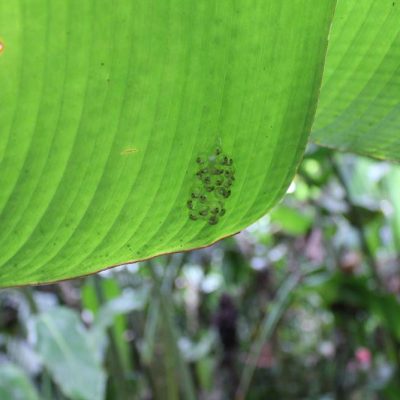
(170, 362)
(268, 325)
(47, 384)
(116, 365)
(150, 331)
(167, 311)
(28, 293)
(358, 224)
(46, 387)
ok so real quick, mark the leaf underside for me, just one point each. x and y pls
(359, 106)
(109, 109)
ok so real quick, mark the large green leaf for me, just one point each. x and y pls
(359, 106)
(69, 354)
(14, 384)
(106, 106)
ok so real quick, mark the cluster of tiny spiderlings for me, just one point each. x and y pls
(215, 177)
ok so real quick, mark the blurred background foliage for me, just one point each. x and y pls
(304, 304)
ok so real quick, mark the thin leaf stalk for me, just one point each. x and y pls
(268, 326)
(117, 370)
(167, 312)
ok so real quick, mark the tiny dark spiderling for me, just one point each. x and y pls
(203, 212)
(213, 220)
(200, 160)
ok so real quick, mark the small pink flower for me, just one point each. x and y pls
(363, 357)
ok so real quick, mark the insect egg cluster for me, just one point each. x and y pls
(215, 176)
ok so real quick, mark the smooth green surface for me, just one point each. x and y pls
(14, 384)
(359, 106)
(105, 106)
(69, 354)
